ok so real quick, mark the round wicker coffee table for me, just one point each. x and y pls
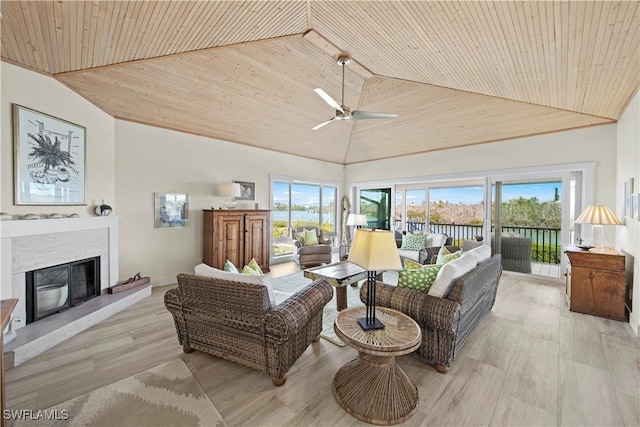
(373, 388)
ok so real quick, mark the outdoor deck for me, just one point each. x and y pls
(545, 270)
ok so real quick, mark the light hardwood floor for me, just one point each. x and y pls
(530, 362)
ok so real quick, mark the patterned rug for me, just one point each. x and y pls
(284, 287)
(167, 395)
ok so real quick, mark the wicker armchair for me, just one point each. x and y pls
(235, 321)
(516, 253)
(447, 322)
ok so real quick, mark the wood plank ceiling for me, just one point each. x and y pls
(457, 73)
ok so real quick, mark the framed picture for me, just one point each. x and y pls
(626, 199)
(634, 206)
(171, 210)
(247, 190)
(49, 159)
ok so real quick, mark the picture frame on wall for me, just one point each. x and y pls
(628, 191)
(634, 206)
(171, 210)
(247, 190)
(49, 159)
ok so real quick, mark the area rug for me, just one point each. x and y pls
(167, 395)
(284, 287)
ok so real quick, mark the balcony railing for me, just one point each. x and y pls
(545, 241)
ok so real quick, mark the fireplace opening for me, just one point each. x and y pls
(54, 289)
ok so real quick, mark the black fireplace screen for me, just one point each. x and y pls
(54, 289)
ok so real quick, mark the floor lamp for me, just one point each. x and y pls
(598, 215)
(374, 250)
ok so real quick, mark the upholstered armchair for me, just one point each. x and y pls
(236, 321)
(308, 253)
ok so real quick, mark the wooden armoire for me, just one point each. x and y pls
(236, 235)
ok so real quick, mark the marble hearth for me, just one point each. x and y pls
(33, 244)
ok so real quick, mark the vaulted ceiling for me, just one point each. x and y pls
(456, 73)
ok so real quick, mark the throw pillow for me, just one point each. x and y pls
(300, 238)
(482, 253)
(412, 242)
(444, 282)
(310, 237)
(410, 264)
(253, 264)
(418, 279)
(435, 240)
(256, 279)
(445, 256)
(229, 266)
(248, 270)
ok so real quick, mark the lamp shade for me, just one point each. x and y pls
(230, 189)
(597, 214)
(356, 219)
(375, 250)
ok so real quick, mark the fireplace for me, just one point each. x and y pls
(54, 289)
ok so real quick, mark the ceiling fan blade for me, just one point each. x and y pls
(328, 99)
(326, 122)
(362, 115)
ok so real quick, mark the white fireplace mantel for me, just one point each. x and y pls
(11, 231)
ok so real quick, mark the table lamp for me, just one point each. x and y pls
(356, 219)
(374, 250)
(230, 190)
(598, 215)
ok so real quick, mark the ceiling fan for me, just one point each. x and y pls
(342, 111)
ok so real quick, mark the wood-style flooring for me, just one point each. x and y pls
(530, 362)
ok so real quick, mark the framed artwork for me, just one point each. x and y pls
(171, 210)
(634, 206)
(49, 159)
(247, 190)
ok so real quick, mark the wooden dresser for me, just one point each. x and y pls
(596, 282)
(236, 235)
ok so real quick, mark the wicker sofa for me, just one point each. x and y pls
(446, 322)
(236, 321)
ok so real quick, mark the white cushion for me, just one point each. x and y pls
(482, 253)
(450, 271)
(413, 255)
(256, 279)
(435, 239)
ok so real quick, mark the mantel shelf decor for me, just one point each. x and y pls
(49, 159)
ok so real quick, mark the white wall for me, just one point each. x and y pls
(628, 236)
(596, 144)
(43, 93)
(149, 159)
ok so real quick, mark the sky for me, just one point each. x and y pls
(544, 191)
(308, 195)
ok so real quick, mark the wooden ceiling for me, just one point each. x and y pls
(457, 73)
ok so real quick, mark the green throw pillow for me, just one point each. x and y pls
(230, 267)
(444, 255)
(418, 279)
(300, 238)
(253, 264)
(410, 264)
(451, 257)
(248, 270)
(310, 237)
(412, 242)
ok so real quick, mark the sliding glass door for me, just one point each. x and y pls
(376, 205)
(297, 204)
(527, 225)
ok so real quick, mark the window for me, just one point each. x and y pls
(296, 204)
